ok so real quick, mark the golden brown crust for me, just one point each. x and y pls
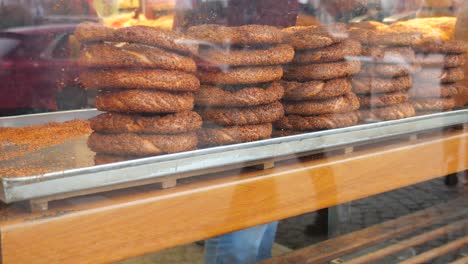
(440, 60)
(243, 116)
(438, 75)
(246, 96)
(424, 104)
(144, 101)
(385, 54)
(242, 35)
(233, 134)
(159, 37)
(367, 85)
(109, 55)
(374, 100)
(376, 33)
(319, 122)
(316, 36)
(313, 90)
(139, 79)
(452, 46)
(388, 70)
(433, 90)
(92, 32)
(321, 71)
(335, 52)
(385, 113)
(152, 36)
(242, 75)
(279, 54)
(160, 124)
(141, 145)
(342, 104)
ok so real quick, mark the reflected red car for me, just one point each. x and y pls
(36, 63)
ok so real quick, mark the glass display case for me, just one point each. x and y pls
(328, 131)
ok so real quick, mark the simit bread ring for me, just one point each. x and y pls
(452, 46)
(108, 55)
(391, 112)
(335, 52)
(321, 71)
(152, 36)
(314, 37)
(367, 85)
(388, 70)
(425, 104)
(157, 124)
(320, 122)
(139, 79)
(92, 32)
(384, 54)
(144, 101)
(274, 55)
(242, 35)
(286, 133)
(242, 75)
(440, 60)
(433, 90)
(313, 90)
(376, 33)
(382, 99)
(248, 96)
(342, 104)
(438, 75)
(234, 134)
(141, 145)
(243, 116)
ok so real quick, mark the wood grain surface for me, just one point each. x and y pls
(117, 225)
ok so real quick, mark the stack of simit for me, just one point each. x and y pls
(383, 83)
(442, 66)
(240, 68)
(318, 92)
(146, 82)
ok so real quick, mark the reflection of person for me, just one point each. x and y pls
(254, 244)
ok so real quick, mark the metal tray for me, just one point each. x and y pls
(83, 176)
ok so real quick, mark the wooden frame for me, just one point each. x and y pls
(117, 225)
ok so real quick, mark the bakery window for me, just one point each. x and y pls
(331, 131)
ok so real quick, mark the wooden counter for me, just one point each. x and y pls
(117, 225)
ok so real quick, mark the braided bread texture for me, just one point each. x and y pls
(442, 104)
(244, 96)
(314, 90)
(141, 145)
(382, 99)
(335, 52)
(253, 115)
(152, 36)
(342, 104)
(279, 54)
(316, 36)
(321, 71)
(109, 55)
(233, 134)
(385, 113)
(156, 124)
(144, 101)
(242, 75)
(139, 79)
(369, 85)
(242, 35)
(313, 123)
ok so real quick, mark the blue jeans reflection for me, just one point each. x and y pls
(246, 246)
